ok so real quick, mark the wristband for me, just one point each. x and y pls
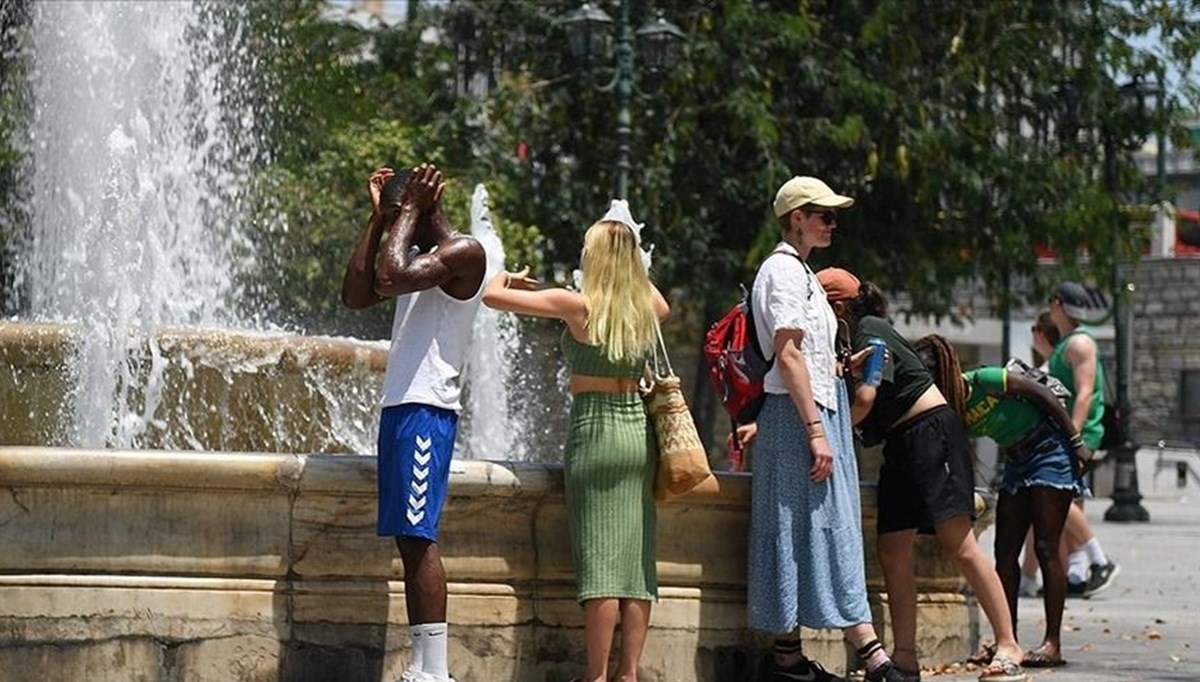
(815, 436)
(813, 422)
(1076, 440)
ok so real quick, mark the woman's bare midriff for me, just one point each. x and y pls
(930, 399)
(585, 383)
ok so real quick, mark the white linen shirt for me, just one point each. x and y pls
(787, 295)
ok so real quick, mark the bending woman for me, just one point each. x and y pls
(611, 456)
(927, 481)
(1045, 455)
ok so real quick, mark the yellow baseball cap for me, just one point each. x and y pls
(804, 189)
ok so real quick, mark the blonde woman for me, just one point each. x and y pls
(610, 455)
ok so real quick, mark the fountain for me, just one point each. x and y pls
(137, 148)
(141, 149)
(162, 513)
(491, 423)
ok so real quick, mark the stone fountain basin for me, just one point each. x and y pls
(245, 557)
(157, 565)
(222, 390)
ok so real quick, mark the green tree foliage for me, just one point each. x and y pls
(342, 99)
(946, 120)
(13, 16)
(968, 131)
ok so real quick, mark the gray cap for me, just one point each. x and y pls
(1080, 302)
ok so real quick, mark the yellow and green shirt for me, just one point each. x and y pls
(990, 412)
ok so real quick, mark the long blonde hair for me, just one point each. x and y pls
(616, 292)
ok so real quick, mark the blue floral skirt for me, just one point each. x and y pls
(806, 563)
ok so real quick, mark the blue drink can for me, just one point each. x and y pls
(872, 369)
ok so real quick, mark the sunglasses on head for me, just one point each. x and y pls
(828, 216)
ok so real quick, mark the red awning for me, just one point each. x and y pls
(1182, 248)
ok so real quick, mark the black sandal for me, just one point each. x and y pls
(1040, 659)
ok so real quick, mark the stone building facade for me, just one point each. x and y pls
(1165, 386)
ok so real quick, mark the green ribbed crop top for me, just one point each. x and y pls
(583, 358)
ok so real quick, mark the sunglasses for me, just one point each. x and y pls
(827, 216)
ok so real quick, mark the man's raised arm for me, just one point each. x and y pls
(400, 271)
(358, 285)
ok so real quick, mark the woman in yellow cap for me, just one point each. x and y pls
(805, 560)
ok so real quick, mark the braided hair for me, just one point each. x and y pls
(941, 360)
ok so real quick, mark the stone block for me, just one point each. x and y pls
(221, 390)
(245, 658)
(119, 529)
(945, 632)
(124, 660)
(1151, 307)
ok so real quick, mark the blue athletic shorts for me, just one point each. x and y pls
(415, 446)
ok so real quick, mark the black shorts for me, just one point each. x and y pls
(928, 473)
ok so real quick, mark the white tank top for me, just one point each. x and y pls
(430, 335)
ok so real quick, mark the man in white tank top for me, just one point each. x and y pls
(436, 276)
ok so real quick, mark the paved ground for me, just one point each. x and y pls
(1146, 628)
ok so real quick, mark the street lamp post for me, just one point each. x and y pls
(588, 29)
(1127, 499)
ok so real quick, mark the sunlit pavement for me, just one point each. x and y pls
(1146, 627)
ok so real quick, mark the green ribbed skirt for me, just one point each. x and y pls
(609, 468)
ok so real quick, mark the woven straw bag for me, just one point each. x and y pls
(682, 459)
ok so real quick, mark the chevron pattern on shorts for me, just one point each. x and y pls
(420, 480)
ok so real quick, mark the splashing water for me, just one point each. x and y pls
(491, 429)
(140, 156)
(141, 144)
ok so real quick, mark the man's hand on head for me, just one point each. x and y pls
(375, 185)
(424, 188)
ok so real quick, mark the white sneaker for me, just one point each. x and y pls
(1028, 587)
(422, 676)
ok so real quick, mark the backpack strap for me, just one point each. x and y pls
(753, 326)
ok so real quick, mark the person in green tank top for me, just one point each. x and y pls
(1075, 361)
(610, 458)
(1045, 456)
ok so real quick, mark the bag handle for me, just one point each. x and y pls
(660, 348)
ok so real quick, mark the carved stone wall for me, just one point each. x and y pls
(167, 566)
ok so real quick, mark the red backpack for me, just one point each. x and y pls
(735, 363)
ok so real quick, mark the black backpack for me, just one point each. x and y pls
(1024, 369)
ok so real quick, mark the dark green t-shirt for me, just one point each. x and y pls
(905, 378)
(991, 413)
